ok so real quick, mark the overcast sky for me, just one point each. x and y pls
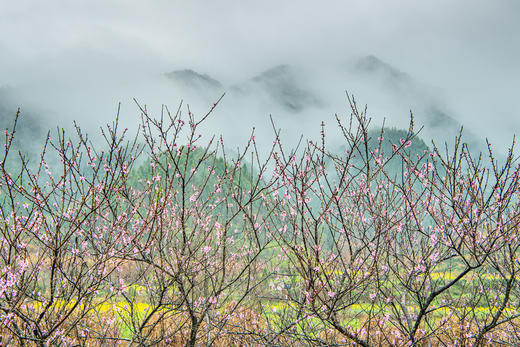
(79, 55)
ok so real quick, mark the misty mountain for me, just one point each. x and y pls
(429, 110)
(191, 79)
(283, 86)
(196, 88)
(280, 87)
(388, 76)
